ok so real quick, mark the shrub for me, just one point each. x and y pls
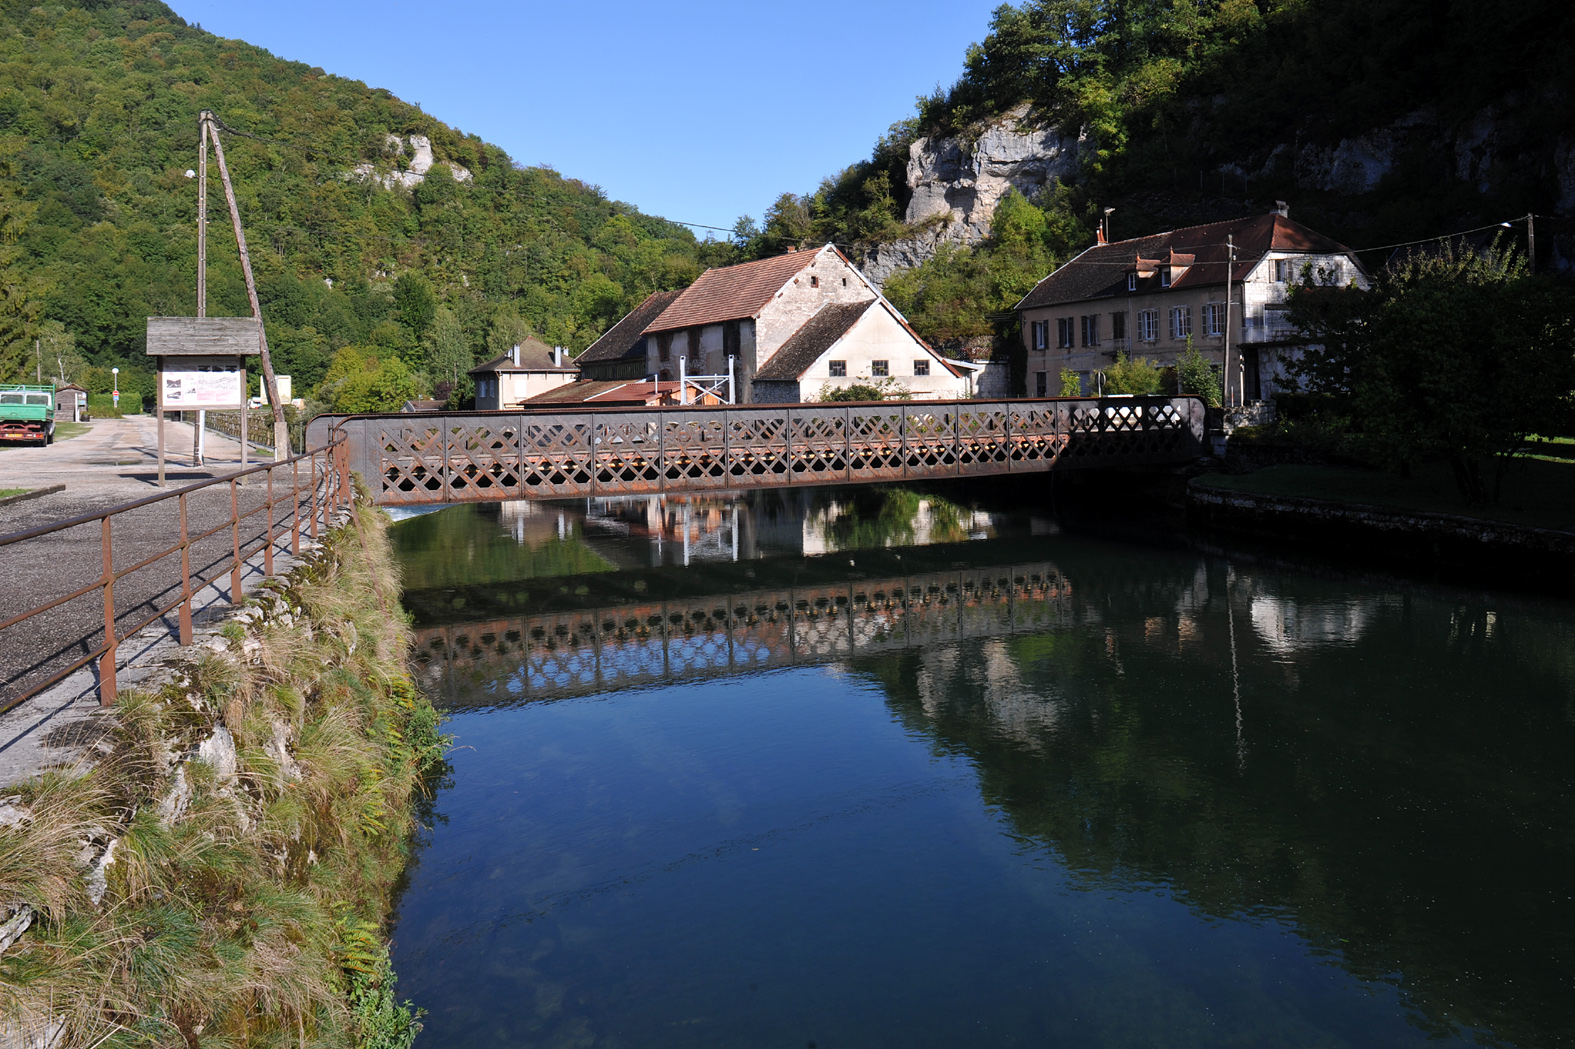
(1132, 375)
(1195, 375)
(1071, 383)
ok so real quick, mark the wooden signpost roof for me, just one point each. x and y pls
(203, 336)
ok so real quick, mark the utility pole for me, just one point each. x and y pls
(202, 270)
(1230, 264)
(1531, 242)
(38, 348)
(281, 430)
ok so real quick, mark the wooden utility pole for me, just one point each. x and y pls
(202, 273)
(281, 430)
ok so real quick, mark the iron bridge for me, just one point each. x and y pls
(452, 457)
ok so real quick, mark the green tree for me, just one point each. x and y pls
(449, 355)
(414, 303)
(1071, 383)
(1195, 375)
(1457, 354)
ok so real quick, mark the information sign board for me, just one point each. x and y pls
(202, 382)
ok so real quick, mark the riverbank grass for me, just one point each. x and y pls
(221, 875)
(1539, 490)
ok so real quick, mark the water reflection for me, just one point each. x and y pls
(481, 543)
(1381, 771)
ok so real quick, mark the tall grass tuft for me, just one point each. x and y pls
(247, 893)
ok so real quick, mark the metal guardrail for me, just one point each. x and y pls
(310, 507)
(453, 457)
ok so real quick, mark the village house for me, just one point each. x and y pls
(528, 369)
(1148, 296)
(813, 304)
(868, 343)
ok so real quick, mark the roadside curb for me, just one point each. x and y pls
(34, 494)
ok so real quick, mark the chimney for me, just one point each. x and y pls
(1100, 235)
(557, 356)
(1282, 209)
(516, 355)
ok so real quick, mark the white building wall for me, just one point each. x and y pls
(517, 386)
(878, 336)
(826, 279)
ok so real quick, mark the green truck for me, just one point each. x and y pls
(27, 413)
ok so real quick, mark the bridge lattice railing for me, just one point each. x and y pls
(483, 456)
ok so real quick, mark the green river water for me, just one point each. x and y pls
(880, 767)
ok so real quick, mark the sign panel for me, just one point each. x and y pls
(202, 382)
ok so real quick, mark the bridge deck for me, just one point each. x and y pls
(489, 456)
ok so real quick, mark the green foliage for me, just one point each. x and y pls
(102, 406)
(1457, 354)
(98, 108)
(359, 380)
(865, 390)
(1194, 374)
(381, 1021)
(1071, 383)
(1137, 375)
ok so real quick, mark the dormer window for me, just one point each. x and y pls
(1164, 277)
(1132, 282)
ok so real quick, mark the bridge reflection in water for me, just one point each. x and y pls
(629, 646)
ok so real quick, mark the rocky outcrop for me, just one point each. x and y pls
(957, 182)
(418, 160)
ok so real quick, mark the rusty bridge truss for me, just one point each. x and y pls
(559, 655)
(489, 456)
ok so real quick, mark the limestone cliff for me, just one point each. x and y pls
(957, 181)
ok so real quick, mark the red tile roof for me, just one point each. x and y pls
(1101, 271)
(604, 392)
(732, 292)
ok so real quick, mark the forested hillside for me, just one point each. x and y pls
(1190, 112)
(98, 109)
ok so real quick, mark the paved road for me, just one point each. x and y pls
(114, 463)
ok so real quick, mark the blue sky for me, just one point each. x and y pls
(697, 111)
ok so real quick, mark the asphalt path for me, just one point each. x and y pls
(114, 463)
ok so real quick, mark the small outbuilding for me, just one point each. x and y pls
(71, 403)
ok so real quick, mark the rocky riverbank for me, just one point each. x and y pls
(218, 868)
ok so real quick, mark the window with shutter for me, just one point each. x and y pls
(1041, 385)
(1118, 325)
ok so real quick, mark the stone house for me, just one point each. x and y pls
(1148, 295)
(530, 368)
(751, 312)
(856, 342)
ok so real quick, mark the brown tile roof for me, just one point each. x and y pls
(1101, 271)
(732, 292)
(620, 340)
(535, 356)
(817, 335)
